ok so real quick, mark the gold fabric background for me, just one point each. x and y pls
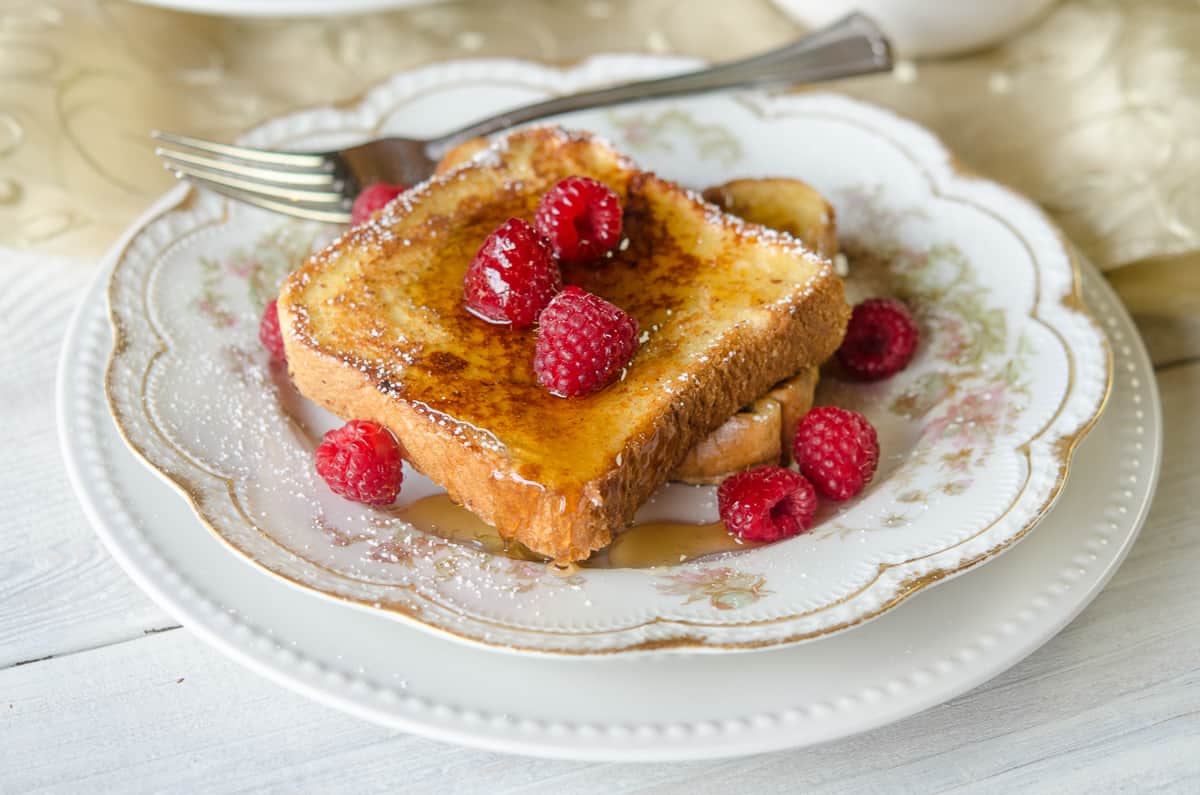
(1094, 111)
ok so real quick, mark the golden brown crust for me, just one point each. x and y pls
(748, 439)
(790, 205)
(560, 525)
(460, 154)
(762, 433)
(476, 476)
(795, 398)
(759, 434)
(557, 475)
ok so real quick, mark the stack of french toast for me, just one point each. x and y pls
(734, 297)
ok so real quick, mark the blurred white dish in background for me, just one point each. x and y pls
(281, 8)
(927, 27)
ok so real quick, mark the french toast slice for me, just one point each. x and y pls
(762, 432)
(460, 153)
(789, 205)
(375, 328)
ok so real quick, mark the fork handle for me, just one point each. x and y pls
(852, 46)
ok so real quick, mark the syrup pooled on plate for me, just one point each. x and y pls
(441, 516)
(638, 547)
(670, 543)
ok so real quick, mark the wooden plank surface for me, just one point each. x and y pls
(1111, 704)
(59, 590)
(94, 697)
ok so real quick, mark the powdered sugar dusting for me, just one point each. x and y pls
(469, 435)
(384, 231)
(755, 233)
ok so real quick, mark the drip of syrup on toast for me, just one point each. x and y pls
(638, 547)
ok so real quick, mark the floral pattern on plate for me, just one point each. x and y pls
(977, 434)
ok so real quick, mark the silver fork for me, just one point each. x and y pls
(321, 186)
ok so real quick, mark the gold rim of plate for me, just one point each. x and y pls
(684, 640)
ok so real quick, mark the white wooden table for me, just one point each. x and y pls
(101, 691)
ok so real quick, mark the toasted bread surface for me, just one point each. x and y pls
(790, 205)
(375, 328)
(759, 434)
(762, 432)
(460, 153)
(795, 398)
(744, 441)
(748, 439)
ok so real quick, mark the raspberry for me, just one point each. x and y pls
(269, 334)
(767, 504)
(581, 219)
(361, 462)
(837, 450)
(512, 277)
(880, 340)
(371, 198)
(583, 341)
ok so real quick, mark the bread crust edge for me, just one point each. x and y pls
(568, 526)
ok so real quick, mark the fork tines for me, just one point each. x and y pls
(294, 183)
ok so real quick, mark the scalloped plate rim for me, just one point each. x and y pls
(132, 545)
(593, 65)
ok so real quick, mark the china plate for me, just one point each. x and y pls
(977, 433)
(933, 647)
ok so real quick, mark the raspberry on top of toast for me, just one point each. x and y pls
(375, 328)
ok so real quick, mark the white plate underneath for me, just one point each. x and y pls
(939, 644)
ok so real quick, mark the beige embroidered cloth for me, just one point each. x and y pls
(1093, 111)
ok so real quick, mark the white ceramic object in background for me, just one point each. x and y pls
(928, 27)
(977, 433)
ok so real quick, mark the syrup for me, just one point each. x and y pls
(669, 543)
(640, 546)
(688, 276)
(440, 515)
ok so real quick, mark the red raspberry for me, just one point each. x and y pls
(269, 334)
(512, 277)
(767, 504)
(371, 198)
(880, 340)
(361, 462)
(581, 219)
(837, 450)
(583, 342)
